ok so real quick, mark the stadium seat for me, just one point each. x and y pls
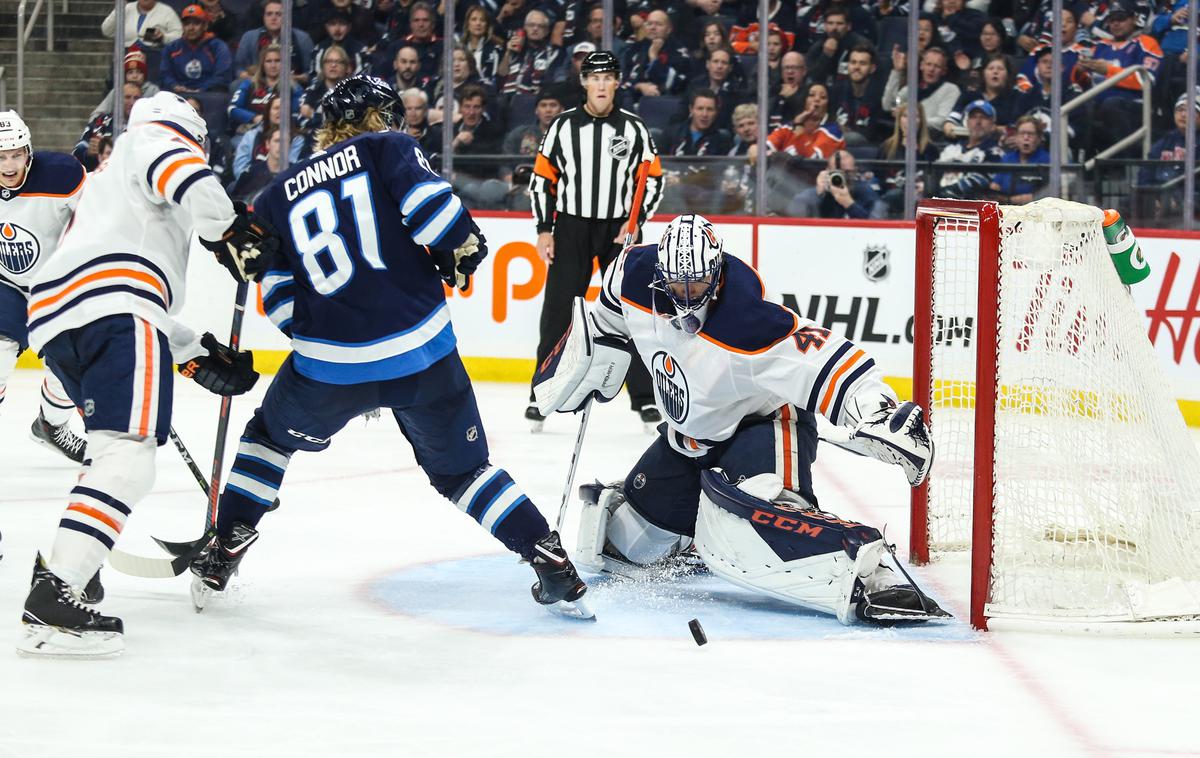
(659, 112)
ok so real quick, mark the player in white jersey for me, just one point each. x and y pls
(38, 194)
(738, 380)
(100, 312)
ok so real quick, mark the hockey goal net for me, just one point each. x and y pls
(1062, 462)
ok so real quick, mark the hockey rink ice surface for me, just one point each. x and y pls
(372, 618)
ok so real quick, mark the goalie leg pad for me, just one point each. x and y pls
(584, 364)
(783, 547)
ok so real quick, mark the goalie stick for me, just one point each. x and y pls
(631, 226)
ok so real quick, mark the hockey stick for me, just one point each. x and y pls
(631, 226)
(179, 548)
(162, 568)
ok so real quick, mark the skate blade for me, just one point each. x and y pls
(649, 428)
(535, 427)
(40, 641)
(200, 592)
(578, 610)
(891, 616)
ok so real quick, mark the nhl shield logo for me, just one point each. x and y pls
(89, 407)
(876, 262)
(618, 147)
(671, 386)
(5, 193)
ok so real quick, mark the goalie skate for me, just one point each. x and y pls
(898, 603)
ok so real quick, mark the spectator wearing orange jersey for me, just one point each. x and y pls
(1119, 109)
(813, 134)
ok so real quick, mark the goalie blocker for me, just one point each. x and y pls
(585, 363)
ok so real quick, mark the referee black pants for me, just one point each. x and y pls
(576, 242)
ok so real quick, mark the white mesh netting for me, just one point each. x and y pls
(1097, 480)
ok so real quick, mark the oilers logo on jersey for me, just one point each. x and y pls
(19, 248)
(671, 386)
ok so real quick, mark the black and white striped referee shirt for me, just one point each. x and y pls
(587, 166)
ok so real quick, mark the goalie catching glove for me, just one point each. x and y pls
(223, 371)
(247, 247)
(585, 363)
(892, 434)
(456, 266)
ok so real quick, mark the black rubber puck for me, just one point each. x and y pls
(697, 632)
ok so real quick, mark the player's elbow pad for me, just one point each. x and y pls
(584, 364)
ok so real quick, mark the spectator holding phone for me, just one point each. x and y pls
(152, 24)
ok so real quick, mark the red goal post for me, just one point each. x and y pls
(1062, 463)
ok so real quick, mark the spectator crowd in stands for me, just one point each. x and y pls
(836, 78)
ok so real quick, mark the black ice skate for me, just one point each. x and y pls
(56, 623)
(218, 562)
(59, 438)
(92, 594)
(536, 420)
(558, 586)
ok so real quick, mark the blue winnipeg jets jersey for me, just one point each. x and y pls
(355, 287)
(32, 216)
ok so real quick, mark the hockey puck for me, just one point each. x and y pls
(697, 632)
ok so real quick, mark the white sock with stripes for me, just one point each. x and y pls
(56, 406)
(121, 473)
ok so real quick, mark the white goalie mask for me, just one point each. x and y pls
(688, 270)
(167, 106)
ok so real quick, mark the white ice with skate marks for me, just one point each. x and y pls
(301, 660)
(484, 601)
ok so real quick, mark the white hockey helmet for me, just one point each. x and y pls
(688, 270)
(14, 133)
(167, 106)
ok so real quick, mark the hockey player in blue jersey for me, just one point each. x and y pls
(369, 234)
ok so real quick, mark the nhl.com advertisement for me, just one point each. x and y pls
(852, 277)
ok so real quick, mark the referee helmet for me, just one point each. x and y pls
(599, 62)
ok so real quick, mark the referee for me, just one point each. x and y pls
(582, 185)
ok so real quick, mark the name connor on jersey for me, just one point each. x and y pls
(339, 164)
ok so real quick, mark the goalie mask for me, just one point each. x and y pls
(688, 270)
(14, 135)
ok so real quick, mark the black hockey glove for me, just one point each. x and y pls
(247, 247)
(224, 371)
(457, 266)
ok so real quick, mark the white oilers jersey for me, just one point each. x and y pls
(751, 358)
(127, 249)
(33, 216)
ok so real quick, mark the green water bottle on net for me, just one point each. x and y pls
(1124, 249)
